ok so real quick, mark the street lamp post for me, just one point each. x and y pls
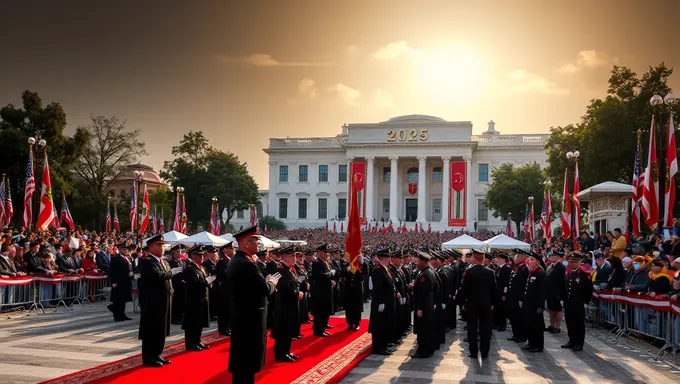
(572, 158)
(139, 176)
(660, 112)
(547, 236)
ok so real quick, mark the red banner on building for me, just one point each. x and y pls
(358, 169)
(458, 195)
(412, 188)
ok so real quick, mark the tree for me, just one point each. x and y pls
(272, 223)
(48, 123)
(110, 149)
(164, 200)
(206, 172)
(510, 189)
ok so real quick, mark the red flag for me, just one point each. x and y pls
(429, 228)
(508, 228)
(638, 181)
(9, 207)
(161, 226)
(46, 215)
(177, 227)
(532, 226)
(184, 215)
(108, 217)
(566, 208)
(577, 203)
(3, 221)
(133, 207)
(28, 192)
(154, 222)
(66, 214)
(650, 205)
(353, 240)
(213, 219)
(146, 208)
(326, 225)
(671, 170)
(116, 223)
(342, 227)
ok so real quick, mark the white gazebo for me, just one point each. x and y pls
(203, 238)
(607, 205)
(463, 242)
(503, 241)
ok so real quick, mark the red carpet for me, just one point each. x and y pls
(322, 360)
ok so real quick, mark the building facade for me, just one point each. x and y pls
(413, 169)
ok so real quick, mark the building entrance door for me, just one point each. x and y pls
(411, 209)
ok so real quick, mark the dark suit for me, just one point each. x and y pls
(223, 314)
(303, 278)
(555, 286)
(423, 300)
(381, 324)
(516, 288)
(197, 314)
(454, 284)
(353, 295)
(478, 294)
(65, 262)
(578, 292)
(119, 274)
(286, 313)
(154, 323)
(209, 268)
(322, 295)
(7, 266)
(178, 285)
(533, 303)
(500, 310)
(271, 267)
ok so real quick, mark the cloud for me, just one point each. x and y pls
(348, 95)
(307, 87)
(524, 81)
(395, 49)
(267, 60)
(382, 99)
(588, 60)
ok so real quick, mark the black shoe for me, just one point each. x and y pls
(536, 349)
(548, 329)
(568, 345)
(527, 347)
(194, 348)
(126, 318)
(473, 355)
(295, 357)
(520, 340)
(390, 345)
(325, 334)
(328, 326)
(203, 346)
(176, 322)
(349, 328)
(485, 356)
(382, 352)
(465, 340)
(420, 355)
(512, 338)
(501, 329)
(152, 364)
(118, 319)
(578, 348)
(356, 327)
(285, 359)
(164, 361)
(555, 330)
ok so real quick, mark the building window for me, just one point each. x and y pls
(437, 175)
(412, 175)
(302, 208)
(484, 172)
(323, 208)
(283, 208)
(437, 205)
(283, 174)
(302, 174)
(239, 214)
(342, 173)
(386, 205)
(258, 206)
(387, 174)
(342, 208)
(482, 210)
(323, 173)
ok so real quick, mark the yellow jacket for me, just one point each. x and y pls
(618, 246)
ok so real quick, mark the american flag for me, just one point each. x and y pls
(532, 226)
(577, 203)
(184, 216)
(548, 216)
(671, 170)
(566, 207)
(177, 227)
(508, 227)
(133, 207)
(3, 220)
(108, 217)
(636, 200)
(650, 205)
(66, 214)
(9, 207)
(116, 223)
(219, 220)
(541, 221)
(213, 219)
(28, 193)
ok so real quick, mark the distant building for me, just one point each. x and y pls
(414, 168)
(123, 183)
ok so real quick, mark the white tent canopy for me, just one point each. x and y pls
(506, 242)
(269, 243)
(286, 242)
(228, 237)
(464, 242)
(203, 238)
(172, 237)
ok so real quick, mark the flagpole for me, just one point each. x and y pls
(42, 144)
(572, 158)
(139, 176)
(659, 111)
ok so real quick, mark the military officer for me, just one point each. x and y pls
(303, 279)
(423, 303)
(223, 314)
(579, 292)
(353, 293)
(177, 261)
(286, 313)
(478, 294)
(555, 286)
(196, 285)
(120, 273)
(533, 304)
(402, 314)
(516, 289)
(322, 291)
(502, 272)
(210, 267)
(382, 320)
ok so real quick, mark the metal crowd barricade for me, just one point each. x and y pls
(96, 287)
(71, 290)
(18, 292)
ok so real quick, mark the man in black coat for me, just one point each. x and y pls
(516, 288)
(579, 291)
(555, 286)
(223, 314)
(423, 303)
(120, 274)
(322, 291)
(478, 294)
(196, 284)
(286, 313)
(209, 266)
(500, 310)
(382, 320)
(154, 323)
(588, 243)
(442, 274)
(533, 304)
(303, 279)
(353, 293)
(401, 286)
(248, 289)
(338, 265)
(176, 261)
(271, 266)
(454, 284)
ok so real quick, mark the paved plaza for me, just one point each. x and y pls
(38, 347)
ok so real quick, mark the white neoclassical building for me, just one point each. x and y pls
(416, 168)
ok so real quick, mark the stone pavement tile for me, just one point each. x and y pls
(56, 360)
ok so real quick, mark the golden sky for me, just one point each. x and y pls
(245, 71)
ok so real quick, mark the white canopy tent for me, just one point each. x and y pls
(463, 242)
(172, 237)
(228, 237)
(203, 238)
(269, 243)
(503, 241)
(285, 242)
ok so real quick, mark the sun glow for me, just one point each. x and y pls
(452, 76)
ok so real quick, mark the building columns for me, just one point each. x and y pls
(370, 195)
(469, 197)
(446, 189)
(394, 204)
(422, 189)
(273, 178)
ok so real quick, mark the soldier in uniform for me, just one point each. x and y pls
(533, 303)
(555, 285)
(120, 273)
(516, 289)
(286, 313)
(303, 279)
(338, 265)
(442, 297)
(178, 285)
(367, 275)
(248, 290)
(271, 266)
(579, 291)
(196, 285)
(353, 293)
(209, 266)
(322, 291)
(478, 294)
(224, 314)
(454, 284)
(382, 320)
(502, 272)
(402, 314)
(423, 304)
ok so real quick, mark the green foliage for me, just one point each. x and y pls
(164, 200)
(272, 223)
(511, 187)
(206, 172)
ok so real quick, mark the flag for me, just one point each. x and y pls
(532, 226)
(650, 205)
(541, 220)
(133, 207)
(66, 214)
(177, 226)
(3, 221)
(508, 227)
(213, 219)
(9, 207)
(116, 223)
(577, 203)
(154, 223)
(326, 225)
(46, 213)
(219, 221)
(184, 216)
(548, 216)
(161, 226)
(636, 200)
(342, 227)
(28, 193)
(429, 228)
(108, 217)
(353, 240)
(526, 223)
(55, 221)
(253, 215)
(566, 207)
(671, 170)
(334, 227)
(146, 209)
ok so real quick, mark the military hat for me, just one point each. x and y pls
(575, 257)
(323, 247)
(210, 249)
(287, 250)
(384, 252)
(478, 251)
(521, 252)
(145, 248)
(503, 256)
(176, 247)
(155, 239)
(557, 252)
(246, 233)
(197, 249)
(228, 245)
(308, 252)
(396, 255)
(488, 256)
(423, 256)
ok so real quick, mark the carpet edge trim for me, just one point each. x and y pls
(327, 370)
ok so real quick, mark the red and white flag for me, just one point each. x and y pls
(154, 222)
(636, 200)
(3, 220)
(177, 226)
(650, 205)
(183, 224)
(28, 193)
(577, 203)
(66, 214)
(46, 215)
(566, 208)
(116, 223)
(671, 170)
(532, 225)
(108, 217)
(9, 207)
(213, 219)
(133, 207)
(146, 209)
(508, 228)
(161, 224)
